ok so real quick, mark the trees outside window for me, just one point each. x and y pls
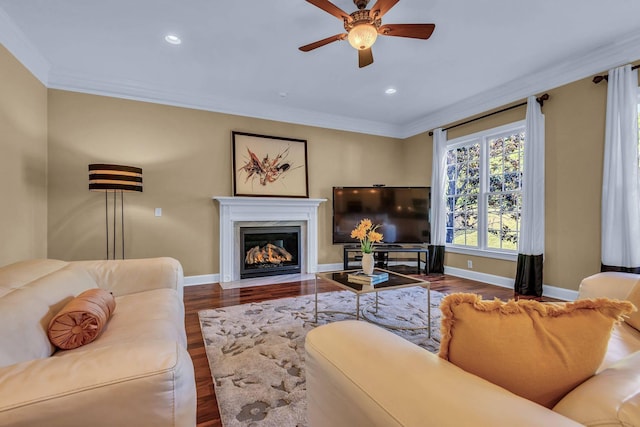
(484, 189)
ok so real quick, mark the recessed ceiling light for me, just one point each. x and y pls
(172, 39)
(283, 94)
(390, 91)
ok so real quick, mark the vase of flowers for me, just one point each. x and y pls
(366, 233)
(367, 263)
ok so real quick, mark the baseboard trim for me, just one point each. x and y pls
(204, 279)
(560, 293)
(507, 282)
(504, 282)
(323, 268)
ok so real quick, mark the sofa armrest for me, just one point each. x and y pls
(122, 385)
(359, 374)
(610, 398)
(608, 285)
(128, 276)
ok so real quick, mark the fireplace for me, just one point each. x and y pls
(238, 212)
(268, 251)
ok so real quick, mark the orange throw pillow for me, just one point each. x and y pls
(539, 351)
(82, 319)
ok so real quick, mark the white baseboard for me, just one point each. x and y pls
(330, 267)
(559, 293)
(204, 279)
(504, 282)
(507, 282)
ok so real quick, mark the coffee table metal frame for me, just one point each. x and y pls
(396, 281)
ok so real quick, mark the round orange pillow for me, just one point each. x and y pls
(82, 319)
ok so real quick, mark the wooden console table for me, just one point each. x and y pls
(385, 250)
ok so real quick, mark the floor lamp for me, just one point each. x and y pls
(114, 179)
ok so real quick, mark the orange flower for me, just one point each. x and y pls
(366, 224)
(375, 237)
(359, 233)
(366, 232)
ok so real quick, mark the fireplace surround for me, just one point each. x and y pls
(237, 212)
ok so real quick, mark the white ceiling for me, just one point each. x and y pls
(240, 56)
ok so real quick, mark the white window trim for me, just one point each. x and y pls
(486, 253)
(482, 136)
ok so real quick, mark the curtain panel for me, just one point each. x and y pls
(620, 180)
(438, 202)
(529, 274)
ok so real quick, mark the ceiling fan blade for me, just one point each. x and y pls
(331, 8)
(365, 57)
(381, 7)
(415, 31)
(320, 43)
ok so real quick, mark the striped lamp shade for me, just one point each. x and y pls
(114, 177)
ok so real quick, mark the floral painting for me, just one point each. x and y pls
(269, 166)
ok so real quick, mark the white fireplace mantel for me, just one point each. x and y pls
(234, 210)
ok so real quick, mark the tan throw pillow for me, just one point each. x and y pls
(539, 351)
(82, 319)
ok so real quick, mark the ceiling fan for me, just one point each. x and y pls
(364, 25)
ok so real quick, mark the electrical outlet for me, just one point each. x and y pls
(158, 212)
(469, 263)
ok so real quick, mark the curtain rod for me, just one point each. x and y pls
(598, 79)
(540, 100)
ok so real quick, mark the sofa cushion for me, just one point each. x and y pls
(610, 398)
(144, 316)
(14, 276)
(634, 297)
(147, 384)
(535, 350)
(82, 319)
(25, 313)
(624, 341)
(127, 276)
(609, 284)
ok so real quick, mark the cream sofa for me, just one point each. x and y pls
(361, 375)
(136, 373)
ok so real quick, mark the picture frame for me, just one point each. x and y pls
(269, 166)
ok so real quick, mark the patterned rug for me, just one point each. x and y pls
(256, 351)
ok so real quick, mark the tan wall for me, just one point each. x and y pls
(23, 162)
(574, 120)
(186, 154)
(186, 159)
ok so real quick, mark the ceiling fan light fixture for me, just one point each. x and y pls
(362, 36)
(172, 39)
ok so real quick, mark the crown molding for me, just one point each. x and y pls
(133, 90)
(574, 68)
(21, 47)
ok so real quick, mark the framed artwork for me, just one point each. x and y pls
(269, 166)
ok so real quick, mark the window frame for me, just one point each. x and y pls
(483, 137)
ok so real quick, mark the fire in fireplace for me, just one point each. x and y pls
(268, 251)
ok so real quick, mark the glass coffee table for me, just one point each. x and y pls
(395, 281)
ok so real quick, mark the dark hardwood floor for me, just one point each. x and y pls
(213, 296)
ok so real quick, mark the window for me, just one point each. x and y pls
(484, 191)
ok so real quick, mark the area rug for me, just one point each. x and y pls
(256, 351)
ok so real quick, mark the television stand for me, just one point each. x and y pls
(382, 252)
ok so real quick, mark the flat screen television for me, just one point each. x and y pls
(403, 212)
